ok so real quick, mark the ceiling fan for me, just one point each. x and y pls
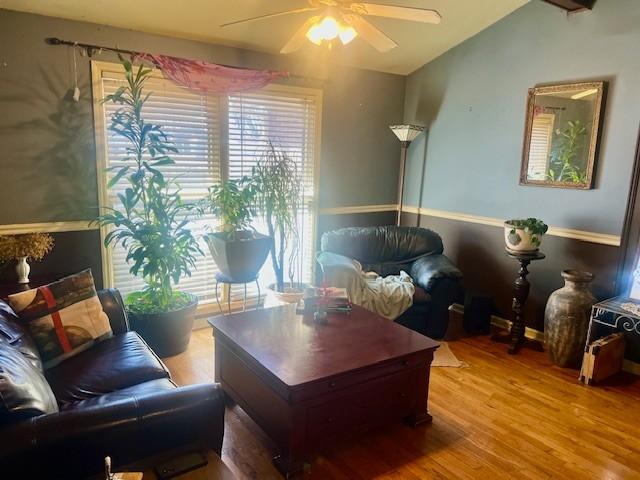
(344, 20)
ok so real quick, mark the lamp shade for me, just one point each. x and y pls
(406, 133)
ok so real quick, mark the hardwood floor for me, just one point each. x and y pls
(502, 417)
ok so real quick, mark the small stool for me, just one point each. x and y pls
(222, 278)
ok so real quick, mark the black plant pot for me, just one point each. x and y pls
(167, 333)
(242, 258)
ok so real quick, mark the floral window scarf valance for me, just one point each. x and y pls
(210, 78)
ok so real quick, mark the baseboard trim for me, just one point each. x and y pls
(358, 209)
(504, 324)
(583, 235)
(631, 367)
(533, 334)
(47, 227)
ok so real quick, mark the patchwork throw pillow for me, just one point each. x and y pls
(64, 317)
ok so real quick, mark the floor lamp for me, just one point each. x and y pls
(406, 134)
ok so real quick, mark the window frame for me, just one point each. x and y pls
(98, 68)
(549, 121)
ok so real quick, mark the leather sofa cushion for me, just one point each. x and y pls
(113, 364)
(152, 386)
(24, 392)
(379, 245)
(16, 335)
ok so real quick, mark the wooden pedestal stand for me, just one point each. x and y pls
(520, 293)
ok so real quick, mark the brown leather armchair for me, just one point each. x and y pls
(387, 250)
(116, 399)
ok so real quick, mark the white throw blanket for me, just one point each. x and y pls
(388, 296)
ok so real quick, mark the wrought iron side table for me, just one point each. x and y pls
(221, 278)
(619, 313)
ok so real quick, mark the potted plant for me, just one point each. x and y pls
(237, 249)
(23, 247)
(151, 223)
(524, 235)
(562, 167)
(278, 187)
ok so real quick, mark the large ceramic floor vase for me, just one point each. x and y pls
(566, 319)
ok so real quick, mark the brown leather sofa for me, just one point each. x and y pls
(115, 399)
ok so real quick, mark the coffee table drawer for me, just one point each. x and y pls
(358, 377)
(375, 401)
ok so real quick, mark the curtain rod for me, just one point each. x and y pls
(91, 49)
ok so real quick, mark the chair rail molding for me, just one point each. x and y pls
(391, 207)
(47, 227)
(583, 235)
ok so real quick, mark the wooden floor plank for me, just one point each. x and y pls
(502, 417)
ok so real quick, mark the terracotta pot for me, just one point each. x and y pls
(167, 333)
(290, 294)
(566, 319)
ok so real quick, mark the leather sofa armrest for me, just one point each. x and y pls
(73, 443)
(113, 306)
(426, 271)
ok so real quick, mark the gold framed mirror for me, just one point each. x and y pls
(561, 135)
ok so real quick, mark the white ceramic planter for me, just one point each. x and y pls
(520, 241)
(22, 270)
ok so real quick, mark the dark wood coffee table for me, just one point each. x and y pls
(305, 383)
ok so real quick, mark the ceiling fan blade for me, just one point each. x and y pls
(369, 33)
(271, 15)
(300, 37)
(402, 13)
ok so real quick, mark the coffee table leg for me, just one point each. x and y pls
(419, 419)
(422, 414)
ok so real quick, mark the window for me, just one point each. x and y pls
(541, 138)
(217, 138)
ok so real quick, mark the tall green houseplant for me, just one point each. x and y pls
(152, 222)
(278, 185)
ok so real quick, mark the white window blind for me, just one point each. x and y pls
(540, 146)
(217, 138)
(289, 122)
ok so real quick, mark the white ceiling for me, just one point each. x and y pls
(200, 20)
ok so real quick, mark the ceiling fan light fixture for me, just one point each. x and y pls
(314, 34)
(347, 34)
(327, 29)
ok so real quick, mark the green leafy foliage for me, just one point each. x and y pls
(233, 202)
(152, 224)
(562, 166)
(140, 302)
(534, 227)
(277, 185)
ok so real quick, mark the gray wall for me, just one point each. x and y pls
(47, 158)
(473, 101)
